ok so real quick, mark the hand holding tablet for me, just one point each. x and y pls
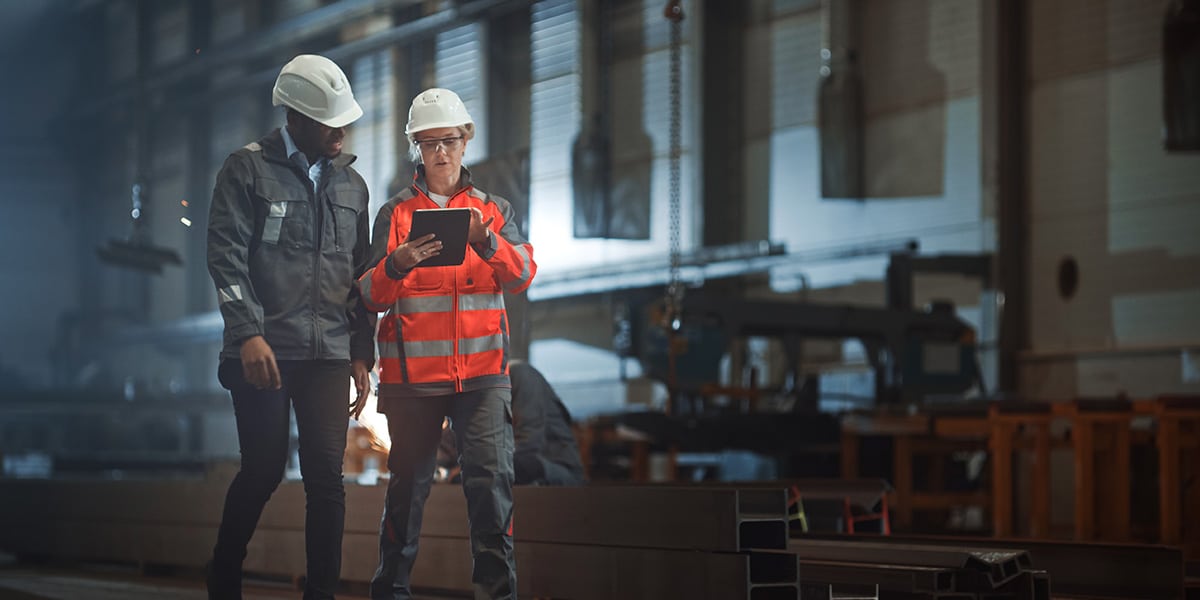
(449, 226)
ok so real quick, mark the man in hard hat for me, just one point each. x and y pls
(444, 351)
(287, 238)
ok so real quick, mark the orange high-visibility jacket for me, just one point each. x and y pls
(445, 329)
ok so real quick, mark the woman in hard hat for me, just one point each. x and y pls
(444, 351)
(287, 238)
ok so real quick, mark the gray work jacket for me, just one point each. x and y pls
(285, 259)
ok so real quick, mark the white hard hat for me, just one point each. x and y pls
(317, 88)
(435, 108)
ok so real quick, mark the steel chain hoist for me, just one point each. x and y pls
(672, 315)
(674, 293)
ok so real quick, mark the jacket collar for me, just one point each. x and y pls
(275, 150)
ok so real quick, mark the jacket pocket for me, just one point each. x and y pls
(288, 215)
(427, 279)
(347, 204)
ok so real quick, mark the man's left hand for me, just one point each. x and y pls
(362, 383)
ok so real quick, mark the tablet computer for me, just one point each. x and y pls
(448, 225)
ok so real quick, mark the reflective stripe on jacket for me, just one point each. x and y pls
(445, 329)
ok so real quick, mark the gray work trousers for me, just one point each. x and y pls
(482, 423)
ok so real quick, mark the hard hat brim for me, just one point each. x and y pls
(347, 117)
(436, 125)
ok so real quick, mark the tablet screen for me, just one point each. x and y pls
(450, 226)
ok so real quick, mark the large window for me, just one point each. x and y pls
(286, 9)
(554, 123)
(121, 38)
(374, 135)
(169, 32)
(229, 20)
(462, 68)
(640, 120)
(921, 140)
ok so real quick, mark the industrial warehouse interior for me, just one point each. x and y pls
(823, 299)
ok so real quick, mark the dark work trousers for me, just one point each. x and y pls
(319, 391)
(482, 422)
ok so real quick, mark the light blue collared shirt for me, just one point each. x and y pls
(298, 157)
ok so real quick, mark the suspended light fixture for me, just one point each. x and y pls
(1181, 76)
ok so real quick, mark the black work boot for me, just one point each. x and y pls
(224, 583)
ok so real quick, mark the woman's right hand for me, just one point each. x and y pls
(411, 253)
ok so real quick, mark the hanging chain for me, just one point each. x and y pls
(674, 14)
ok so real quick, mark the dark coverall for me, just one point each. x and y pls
(284, 255)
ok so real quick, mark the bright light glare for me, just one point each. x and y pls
(373, 420)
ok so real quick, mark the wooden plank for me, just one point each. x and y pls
(1169, 478)
(903, 480)
(653, 517)
(849, 458)
(1085, 479)
(1041, 484)
(943, 500)
(961, 427)
(726, 519)
(1002, 478)
(610, 573)
(1121, 515)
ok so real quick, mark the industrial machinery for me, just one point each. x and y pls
(914, 354)
(916, 358)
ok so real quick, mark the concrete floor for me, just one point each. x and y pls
(20, 581)
(105, 582)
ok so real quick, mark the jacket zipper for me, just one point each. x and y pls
(319, 209)
(455, 370)
(458, 383)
